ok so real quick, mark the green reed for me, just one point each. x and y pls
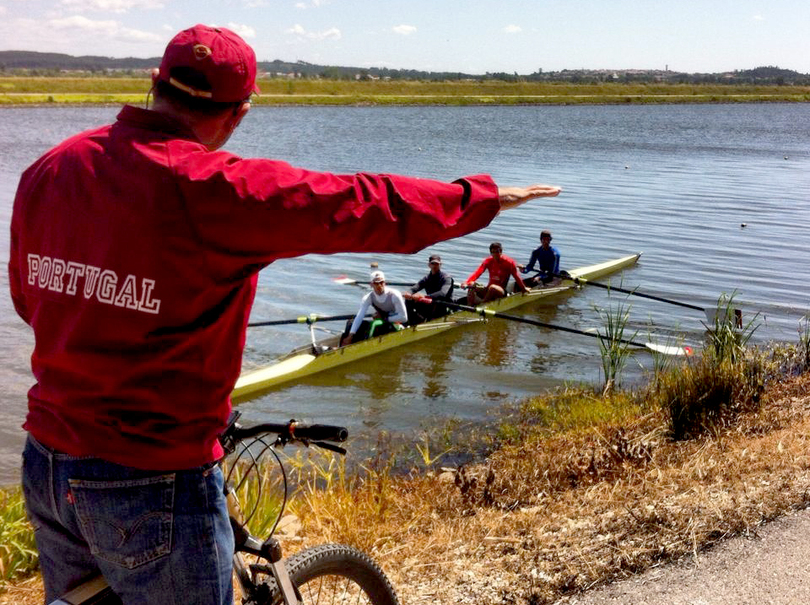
(613, 351)
(729, 336)
(18, 554)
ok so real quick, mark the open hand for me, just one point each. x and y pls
(512, 197)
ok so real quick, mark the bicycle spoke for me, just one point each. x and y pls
(332, 590)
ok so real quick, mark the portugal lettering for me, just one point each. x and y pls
(104, 285)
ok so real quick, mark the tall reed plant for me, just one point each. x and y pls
(728, 336)
(613, 351)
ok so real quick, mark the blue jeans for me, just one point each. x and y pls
(157, 537)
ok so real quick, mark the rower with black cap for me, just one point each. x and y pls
(438, 287)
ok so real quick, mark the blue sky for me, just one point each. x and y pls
(473, 36)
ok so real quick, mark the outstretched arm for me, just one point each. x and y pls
(512, 197)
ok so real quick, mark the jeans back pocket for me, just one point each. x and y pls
(126, 522)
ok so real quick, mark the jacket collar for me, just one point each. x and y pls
(153, 120)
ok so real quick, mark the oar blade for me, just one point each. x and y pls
(344, 281)
(684, 351)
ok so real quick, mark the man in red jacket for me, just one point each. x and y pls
(135, 250)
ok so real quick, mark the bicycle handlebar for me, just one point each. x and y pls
(317, 434)
(293, 431)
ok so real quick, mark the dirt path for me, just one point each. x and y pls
(771, 567)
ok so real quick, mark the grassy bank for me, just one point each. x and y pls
(580, 486)
(19, 90)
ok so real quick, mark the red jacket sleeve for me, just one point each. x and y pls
(269, 209)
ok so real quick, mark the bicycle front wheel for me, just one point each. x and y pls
(334, 574)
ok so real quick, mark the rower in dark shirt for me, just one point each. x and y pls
(548, 262)
(438, 286)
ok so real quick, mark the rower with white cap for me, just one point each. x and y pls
(389, 307)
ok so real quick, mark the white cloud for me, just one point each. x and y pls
(758, 18)
(110, 30)
(3, 10)
(512, 29)
(332, 33)
(404, 30)
(301, 5)
(112, 6)
(243, 30)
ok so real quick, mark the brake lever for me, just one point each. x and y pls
(329, 446)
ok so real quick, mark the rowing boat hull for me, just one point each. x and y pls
(302, 362)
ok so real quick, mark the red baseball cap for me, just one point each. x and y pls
(210, 62)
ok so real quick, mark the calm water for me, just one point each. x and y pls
(676, 182)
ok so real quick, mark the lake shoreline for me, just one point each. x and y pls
(285, 101)
(284, 92)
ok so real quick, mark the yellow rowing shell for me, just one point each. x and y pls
(304, 362)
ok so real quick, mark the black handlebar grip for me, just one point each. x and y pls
(321, 432)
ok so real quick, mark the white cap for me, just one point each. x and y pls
(377, 276)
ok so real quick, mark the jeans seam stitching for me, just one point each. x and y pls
(210, 522)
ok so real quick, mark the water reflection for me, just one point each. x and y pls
(436, 372)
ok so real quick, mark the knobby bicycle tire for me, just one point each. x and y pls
(334, 573)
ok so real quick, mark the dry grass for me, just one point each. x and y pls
(553, 512)
(560, 514)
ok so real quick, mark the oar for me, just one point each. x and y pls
(347, 281)
(483, 311)
(710, 313)
(304, 319)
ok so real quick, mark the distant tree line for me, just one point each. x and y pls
(14, 62)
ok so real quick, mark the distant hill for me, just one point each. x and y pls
(14, 62)
(29, 60)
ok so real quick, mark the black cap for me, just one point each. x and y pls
(435, 258)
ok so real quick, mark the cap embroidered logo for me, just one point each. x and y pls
(201, 51)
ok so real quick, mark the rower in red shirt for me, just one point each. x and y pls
(500, 268)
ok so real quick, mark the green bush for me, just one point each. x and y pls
(705, 395)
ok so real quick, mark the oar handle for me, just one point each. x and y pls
(304, 319)
(582, 281)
